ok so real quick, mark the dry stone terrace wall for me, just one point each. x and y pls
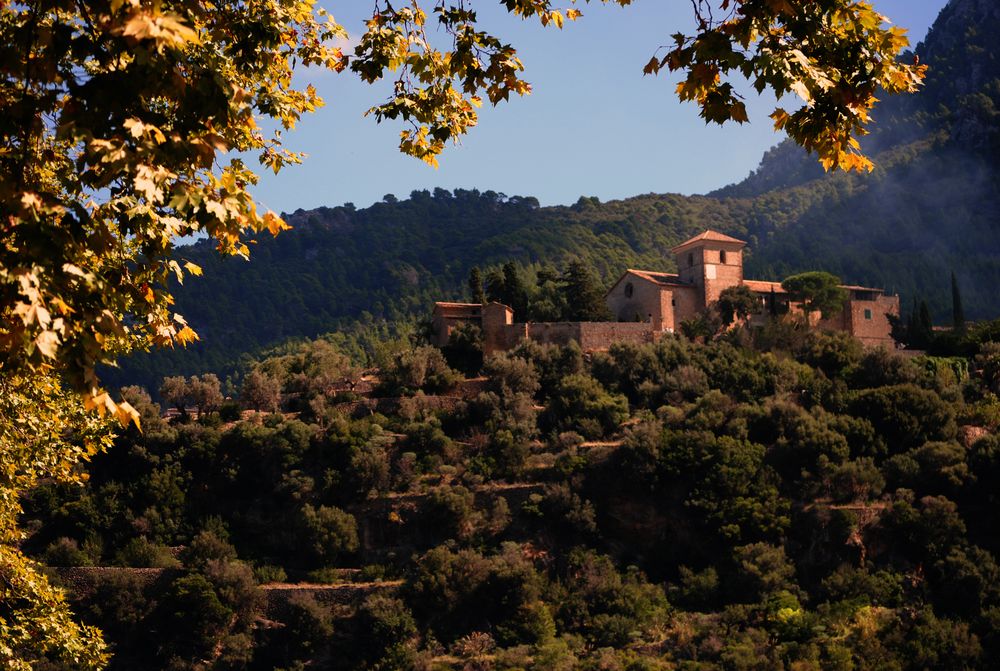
(394, 522)
(81, 582)
(348, 594)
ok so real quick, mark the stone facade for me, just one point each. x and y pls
(711, 262)
(649, 303)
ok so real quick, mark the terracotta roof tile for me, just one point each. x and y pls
(446, 304)
(764, 286)
(667, 279)
(708, 236)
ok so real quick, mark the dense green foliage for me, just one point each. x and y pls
(930, 208)
(769, 499)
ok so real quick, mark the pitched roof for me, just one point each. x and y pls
(708, 236)
(854, 287)
(665, 279)
(661, 279)
(458, 309)
(447, 304)
(764, 286)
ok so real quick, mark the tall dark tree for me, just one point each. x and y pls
(924, 332)
(476, 293)
(913, 324)
(584, 294)
(957, 311)
(494, 287)
(515, 291)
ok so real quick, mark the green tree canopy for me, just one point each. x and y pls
(819, 292)
(736, 303)
(584, 295)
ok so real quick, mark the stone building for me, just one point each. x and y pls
(712, 262)
(649, 303)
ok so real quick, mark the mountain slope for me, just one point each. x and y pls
(931, 207)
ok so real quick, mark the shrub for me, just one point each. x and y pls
(140, 553)
(65, 552)
(579, 403)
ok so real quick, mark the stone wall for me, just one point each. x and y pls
(643, 303)
(591, 336)
(702, 265)
(395, 524)
(276, 595)
(81, 581)
(685, 302)
(389, 406)
(554, 333)
(874, 329)
(598, 336)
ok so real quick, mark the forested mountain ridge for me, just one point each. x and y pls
(931, 207)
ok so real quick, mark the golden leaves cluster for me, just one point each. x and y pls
(834, 56)
(113, 117)
(45, 434)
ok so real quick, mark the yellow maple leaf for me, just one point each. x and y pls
(274, 223)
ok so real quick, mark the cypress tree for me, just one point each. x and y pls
(495, 287)
(925, 325)
(957, 311)
(476, 294)
(515, 291)
(913, 326)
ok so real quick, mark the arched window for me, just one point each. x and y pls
(722, 256)
(629, 290)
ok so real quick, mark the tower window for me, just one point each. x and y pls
(690, 260)
(722, 256)
(629, 290)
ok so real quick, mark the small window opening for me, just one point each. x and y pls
(629, 290)
(868, 313)
(690, 260)
(722, 256)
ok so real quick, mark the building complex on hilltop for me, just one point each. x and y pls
(648, 304)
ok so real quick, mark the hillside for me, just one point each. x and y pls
(668, 506)
(931, 207)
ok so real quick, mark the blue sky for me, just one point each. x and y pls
(593, 126)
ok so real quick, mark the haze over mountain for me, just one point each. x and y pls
(931, 207)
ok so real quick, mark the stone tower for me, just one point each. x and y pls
(711, 262)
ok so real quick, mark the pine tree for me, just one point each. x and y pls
(476, 294)
(957, 311)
